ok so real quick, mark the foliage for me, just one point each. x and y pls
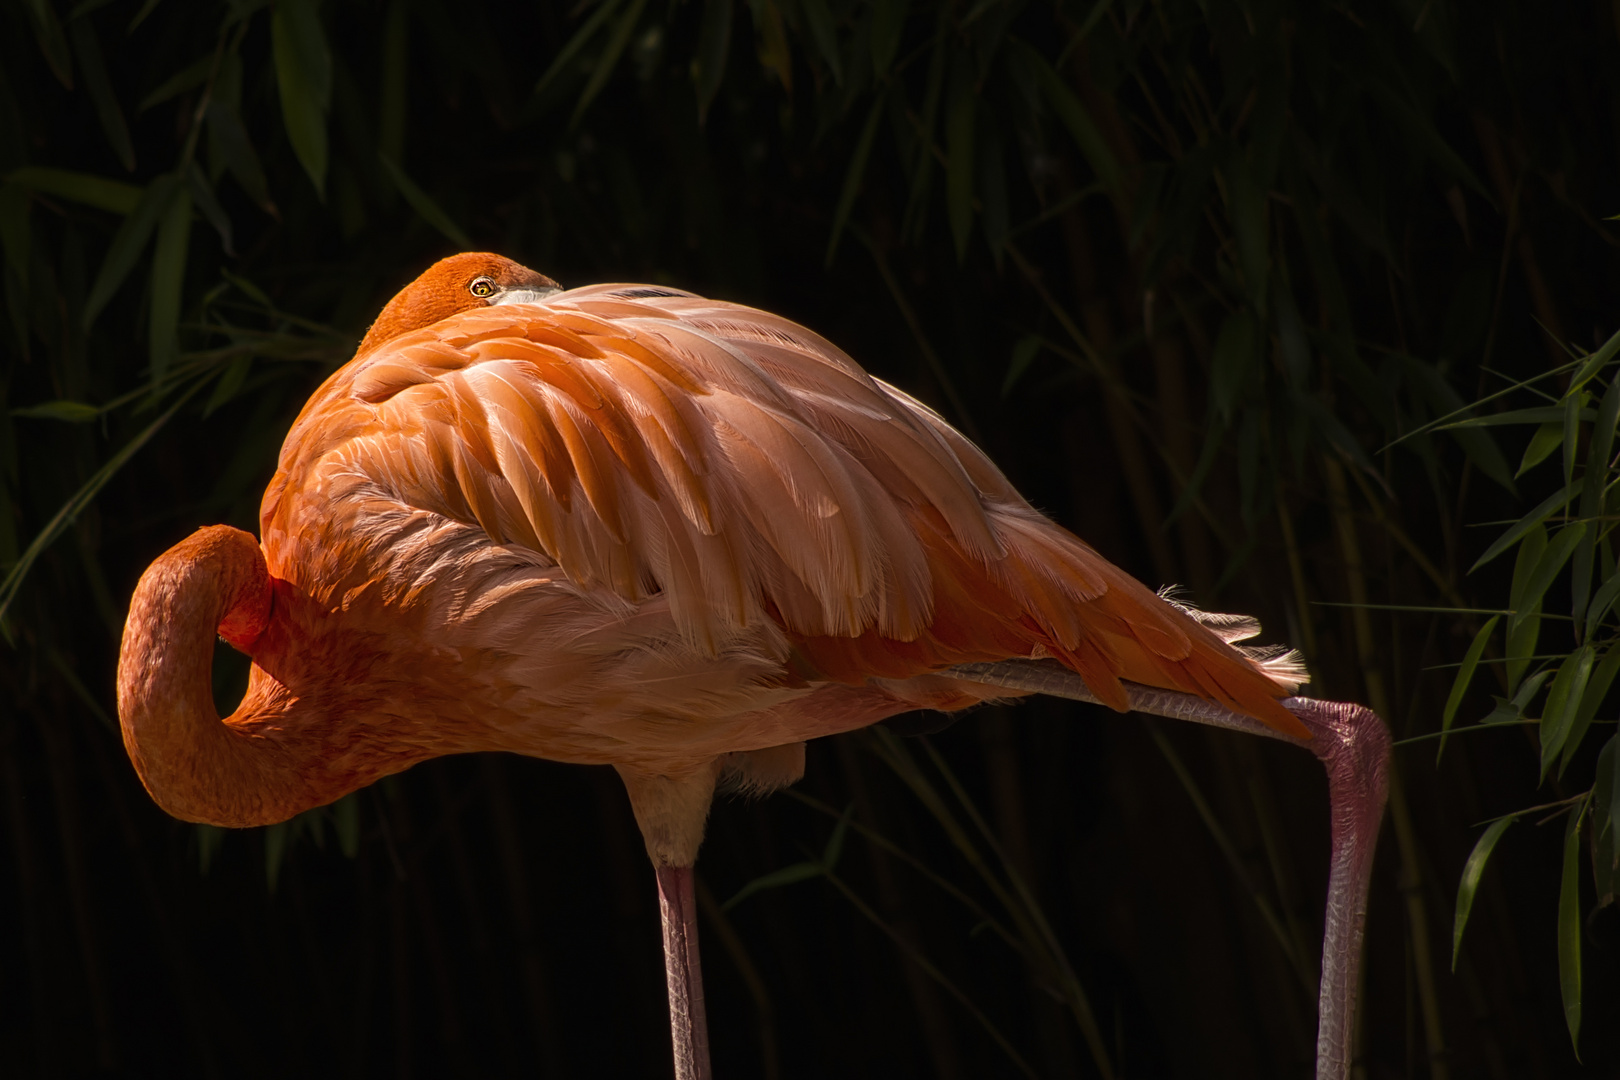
(1212, 280)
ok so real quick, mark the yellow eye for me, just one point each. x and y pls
(482, 287)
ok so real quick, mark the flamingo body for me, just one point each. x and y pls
(621, 525)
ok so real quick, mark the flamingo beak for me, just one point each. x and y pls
(524, 296)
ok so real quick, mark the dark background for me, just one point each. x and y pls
(1197, 275)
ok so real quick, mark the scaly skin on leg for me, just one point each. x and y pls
(1353, 744)
(684, 973)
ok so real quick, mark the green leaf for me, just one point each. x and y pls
(235, 148)
(1423, 133)
(1548, 437)
(82, 498)
(346, 823)
(202, 194)
(88, 50)
(52, 43)
(581, 38)
(1541, 414)
(73, 412)
(304, 78)
(1523, 526)
(821, 32)
(1469, 885)
(129, 241)
(1465, 676)
(168, 284)
(1511, 710)
(1592, 700)
(788, 875)
(1524, 624)
(426, 207)
(1234, 360)
(835, 842)
(275, 851)
(1023, 354)
(1549, 564)
(888, 23)
(713, 48)
(1569, 932)
(853, 177)
(229, 383)
(16, 229)
(1601, 603)
(993, 192)
(393, 100)
(609, 59)
(1563, 701)
(1594, 363)
(210, 838)
(1246, 207)
(959, 159)
(86, 188)
(192, 75)
(1074, 117)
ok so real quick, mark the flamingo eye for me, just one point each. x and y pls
(482, 287)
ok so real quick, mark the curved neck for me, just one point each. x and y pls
(197, 767)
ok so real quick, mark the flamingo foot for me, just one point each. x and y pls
(683, 971)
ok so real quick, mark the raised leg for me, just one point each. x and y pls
(683, 971)
(1353, 744)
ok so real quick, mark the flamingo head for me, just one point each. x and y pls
(459, 283)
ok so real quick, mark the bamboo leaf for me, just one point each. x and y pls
(82, 498)
(959, 160)
(129, 241)
(581, 38)
(346, 823)
(304, 79)
(187, 78)
(393, 100)
(1469, 885)
(1233, 362)
(1074, 117)
(1023, 354)
(1601, 603)
(73, 412)
(888, 23)
(1524, 525)
(86, 188)
(235, 148)
(1524, 624)
(1548, 437)
(1563, 701)
(202, 194)
(1592, 700)
(1569, 932)
(1594, 364)
(853, 178)
(788, 875)
(1465, 676)
(609, 59)
(1548, 565)
(168, 284)
(714, 46)
(52, 43)
(1606, 789)
(822, 33)
(426, 207)
(1541, 414)
(16, 230)
(88, 51)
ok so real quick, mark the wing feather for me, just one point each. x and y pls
(739, 471)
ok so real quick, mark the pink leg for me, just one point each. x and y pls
(684, 973)
(1354, 745)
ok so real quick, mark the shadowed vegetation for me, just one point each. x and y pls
(1305, 307)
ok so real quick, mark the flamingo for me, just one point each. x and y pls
(627, 525)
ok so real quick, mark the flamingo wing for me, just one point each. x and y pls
(652, 443)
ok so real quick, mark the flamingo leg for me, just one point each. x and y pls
(1353, 744)
(683, 971)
